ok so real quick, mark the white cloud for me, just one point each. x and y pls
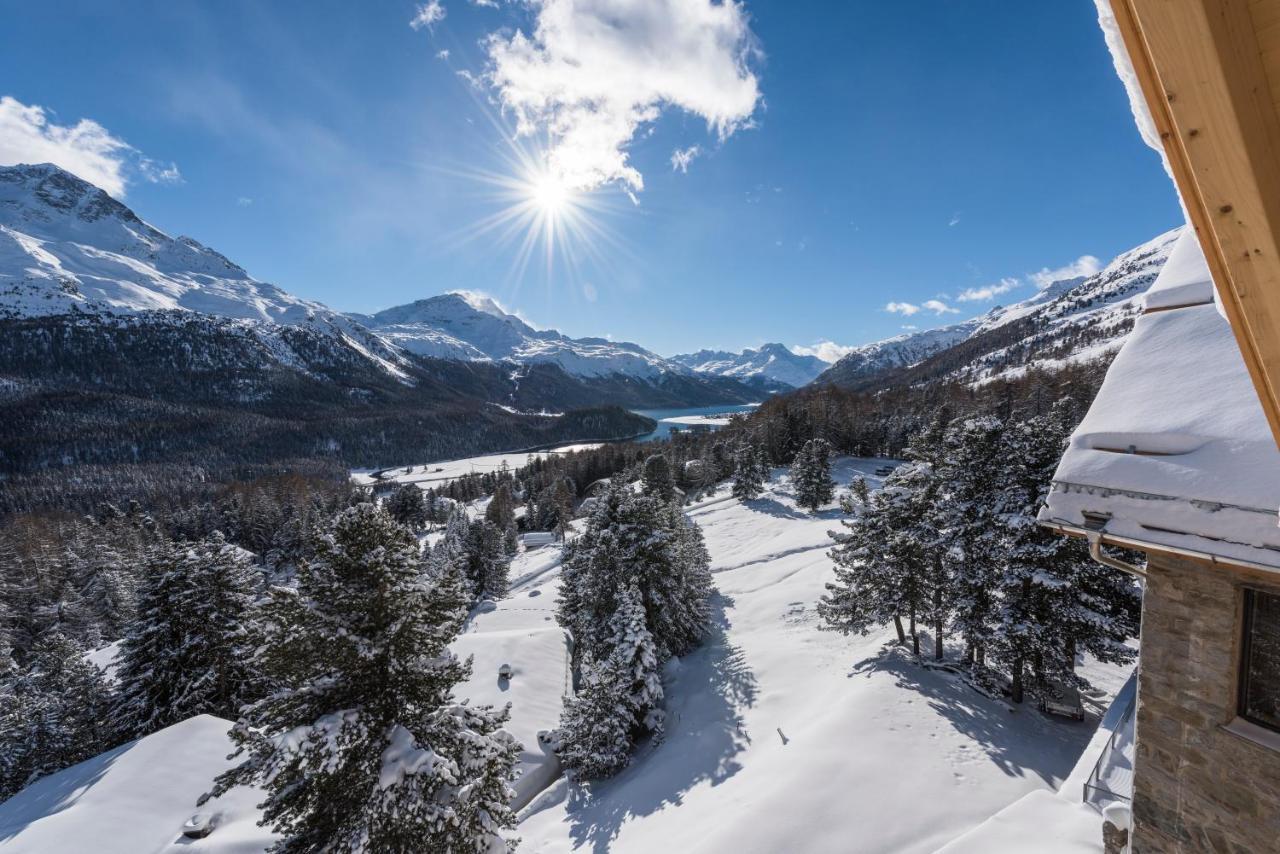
(443, 54)
(427, 15)
(488, 4)
(909, 326)
(682, 157)
(939, 307)
(1085, 265)
(905, 308)
(593, 72)
(85, 149)
(827, 351)
(954, 221)
(987, 292)
(244, 202)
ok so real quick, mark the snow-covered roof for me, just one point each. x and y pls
(1176, 449)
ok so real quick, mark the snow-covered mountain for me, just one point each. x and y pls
(465, 325)
(68, 249)
(1070, 320)
(771, 361)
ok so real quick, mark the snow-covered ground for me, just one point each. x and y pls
(780, 737)
(443, 473)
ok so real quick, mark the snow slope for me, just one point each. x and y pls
(782, 737)
(771, 361)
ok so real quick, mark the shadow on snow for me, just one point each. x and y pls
(704, 735)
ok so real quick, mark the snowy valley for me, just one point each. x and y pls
(779, 736)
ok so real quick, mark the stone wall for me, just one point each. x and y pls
(1197, 787)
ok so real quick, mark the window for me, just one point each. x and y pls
(1260, 666)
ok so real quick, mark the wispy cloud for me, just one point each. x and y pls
(593, 72)
(682, 157)
(1085, 265)
(86, 149)
(988, 292)
(954, 221)
(244, 202)
(443, 54)
(904, 308)
(907, 309)
(427, 15)
(939, 307)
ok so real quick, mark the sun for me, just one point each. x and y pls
(550, 194)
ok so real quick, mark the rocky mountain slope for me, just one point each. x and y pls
(1070, 320)
(771, 361)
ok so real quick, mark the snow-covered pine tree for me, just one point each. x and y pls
(657, 479)
(501, 512)
(595, 726)
(882, 565)
(408, 506)
(488, 560)
(51, 714)
(620, 698)
(362, 747)
(811, 474)
(1055, 600)
(748, 474)
(970, 473)
(187, 653)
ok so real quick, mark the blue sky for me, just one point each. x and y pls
(850, 155)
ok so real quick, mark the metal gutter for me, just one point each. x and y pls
(1103, 538)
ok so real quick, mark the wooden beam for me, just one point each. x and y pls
(1200, 65)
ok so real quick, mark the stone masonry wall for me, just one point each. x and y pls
(1197, 787)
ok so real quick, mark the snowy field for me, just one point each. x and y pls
(441, 474)
(780, 737)
(785, 738)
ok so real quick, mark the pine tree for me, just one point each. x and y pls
(657, 480)
(967, 518)
(187, 653)
(488, 560)
(620, 698)
(501, 513)
(748, 474)
(640, 557)
(51, 714)
(362, 747)
(811, 474)
(408, 506)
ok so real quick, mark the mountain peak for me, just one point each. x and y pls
(44, 185)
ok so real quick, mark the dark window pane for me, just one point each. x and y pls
(1261, 700)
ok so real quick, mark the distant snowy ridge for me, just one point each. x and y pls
(465, 325)
(771, 361)
(1069, 320)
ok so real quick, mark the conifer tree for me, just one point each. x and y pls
(501, 513)
(488, 560)
(811, 474)
(408, 506)
(363, 748)
(657, 480)
(188, 651)
(51, 714)
(967, 518)
(748, 474)
(620, 698)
